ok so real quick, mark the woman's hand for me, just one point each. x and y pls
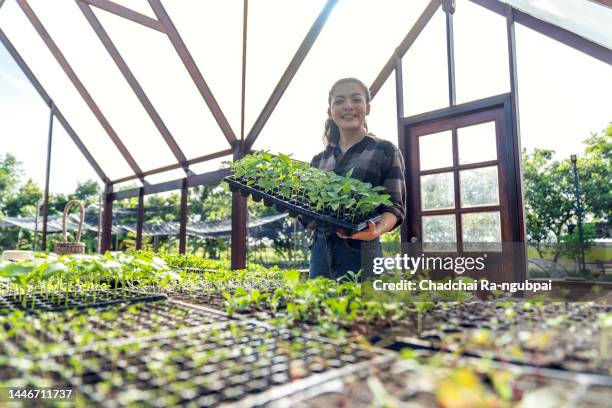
(363, 235)
(386, 224)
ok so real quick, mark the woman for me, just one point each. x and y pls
(348, 145)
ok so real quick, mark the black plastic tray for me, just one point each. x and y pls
(103, 298)
(294, 210)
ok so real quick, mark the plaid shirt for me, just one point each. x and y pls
(373, 160)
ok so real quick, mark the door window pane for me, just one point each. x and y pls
(436, 150)
(479, 187)
(437, 191)
(481, 231)
(477, 143)
(439, 233)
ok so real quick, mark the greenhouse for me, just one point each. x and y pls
(197, 277)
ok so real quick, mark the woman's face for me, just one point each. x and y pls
(348, 107)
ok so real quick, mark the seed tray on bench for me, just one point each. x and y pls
(243, 363)
(409, 383)
(66, 301)
(49, 332)
(553, 335)
(295, 210)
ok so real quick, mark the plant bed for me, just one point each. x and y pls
(49, 332)
(434, 380)
(296, 209)
(213, 300)
(227, 363)
(572, 337)
(37, 302)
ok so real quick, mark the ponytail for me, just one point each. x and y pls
(331, 134)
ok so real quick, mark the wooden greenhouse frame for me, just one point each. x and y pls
(239, 145)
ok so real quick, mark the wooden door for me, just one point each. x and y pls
(463, 184)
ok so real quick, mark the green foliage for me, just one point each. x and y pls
(23, 202)
(62, 275)
(548, 186)
(322, 191)
(10, 175)
(179, 261)
(88, 192)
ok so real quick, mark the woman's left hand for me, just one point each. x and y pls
(364, 235)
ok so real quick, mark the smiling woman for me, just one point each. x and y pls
(351, 149)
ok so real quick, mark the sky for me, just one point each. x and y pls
(563, 94)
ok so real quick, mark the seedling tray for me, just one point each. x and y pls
(295, 209)
(407, 383)
(485, 330)
(225, 363)
(50, 332)
(67, 301)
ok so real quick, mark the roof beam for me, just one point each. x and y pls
(126, 13)
(59, 57)
(134, 84)
(607, 3)
(47, 99)
(205, 179)
(289, 73)
(550, 30)
(192, 69)
(404, 46)
(176, 166)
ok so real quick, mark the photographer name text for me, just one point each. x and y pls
(472, 285)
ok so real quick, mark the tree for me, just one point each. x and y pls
(549, 191)
(23, 203)
(88, 192)
(596, 175)
(10, 177)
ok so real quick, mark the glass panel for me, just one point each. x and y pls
(63, 177)
(211, 165)
(437, 191)
(219, 57)
(103, 80)
(166, 82)
(165, 176)
(383, 116)
(481, 55)
(584, 105)
(585, 18)
(46, 69)
(479, 187)
(127, 185)
(477, 143)
(481, 231)
(439, 233)
(141, 6)
(425, 76)
(436, 150)
(301, 113)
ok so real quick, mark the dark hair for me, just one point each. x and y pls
(332, 133)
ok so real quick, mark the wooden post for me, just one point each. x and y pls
(47, 173)
(399, 104)
(239, 221)
(107, 219)
(518, 203)
(140, 218)
(449, 9)
(183, 225)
